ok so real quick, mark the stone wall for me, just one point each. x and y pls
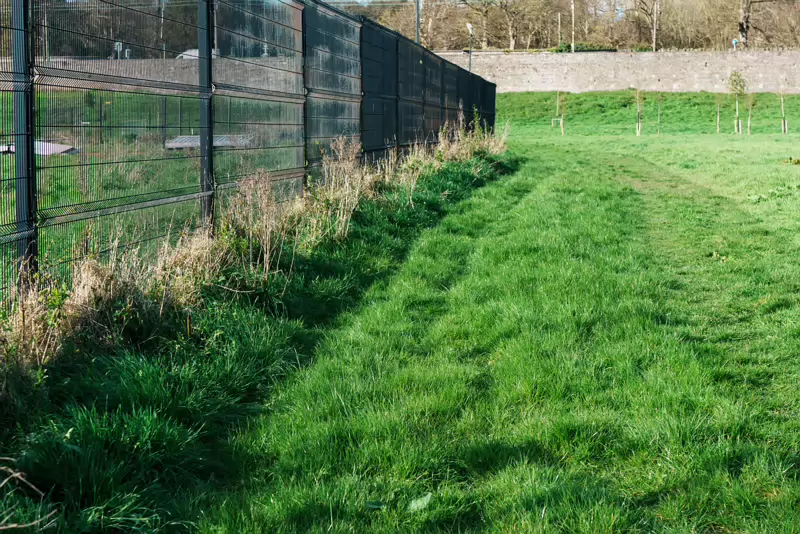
(614, 71)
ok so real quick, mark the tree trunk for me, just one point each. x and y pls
(744, 21)
(656, 7)
(572, 8)
(512, 30)
(560, 38)
(484, 29)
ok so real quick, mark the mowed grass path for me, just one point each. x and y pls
(604, 341)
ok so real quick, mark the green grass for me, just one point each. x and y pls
(603, 340)
(596, 114)
(139, 437)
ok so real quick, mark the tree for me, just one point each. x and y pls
(482, 8)
(651, 9)
(745, 16)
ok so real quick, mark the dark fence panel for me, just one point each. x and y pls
(379, 82)
(108, 111)
(121, 122)
(489, 103)
(451, 101)
(433, 95)
(332, 77)
(259, 96)
(411, 92)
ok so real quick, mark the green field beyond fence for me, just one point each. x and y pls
(615, 113)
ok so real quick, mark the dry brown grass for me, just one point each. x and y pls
(332, 200)
(183, 269)
(457, 142)
(256, 213)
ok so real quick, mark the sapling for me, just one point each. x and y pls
(737, 85)
(659, 114)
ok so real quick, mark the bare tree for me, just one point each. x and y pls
(686, 24)
(745, 16)
(482, 8)
(651, 9)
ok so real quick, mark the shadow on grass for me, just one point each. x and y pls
(134, 440)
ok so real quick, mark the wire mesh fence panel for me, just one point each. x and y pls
(488, 99)
(450, 101)
(464, 95)
(432, 95)
(332, 77)
(257, 71)
(411, 92)
(122, 120)
(118, 122)
(379, 82)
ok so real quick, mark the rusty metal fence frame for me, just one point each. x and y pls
(122, 120)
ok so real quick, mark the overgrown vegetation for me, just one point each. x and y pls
(120, 392)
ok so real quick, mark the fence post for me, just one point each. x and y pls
(205, 46)
(164, 123)
(24, 147)
(424, 96)
(306, 165)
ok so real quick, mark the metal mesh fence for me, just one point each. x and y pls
(122, 120)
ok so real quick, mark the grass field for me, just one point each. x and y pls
(602, 340)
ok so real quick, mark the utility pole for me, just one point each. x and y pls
(572, 8)
(46, 31)
(161, 31)
(216, 35)
(417, 3)
(469, 28)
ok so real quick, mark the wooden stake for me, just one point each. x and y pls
(718, 118)
(562, 121)
(638, 114)
(560, 38)
(784, 128)
(659, 115)
(738, 124)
